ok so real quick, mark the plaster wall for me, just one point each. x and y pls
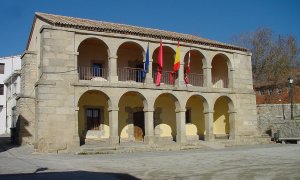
(11, 64)
(166, 124)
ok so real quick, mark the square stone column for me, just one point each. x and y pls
(207, 77)
(232, 124)
(209, 125)
(112, 69)
(180, 127)
(231, 83)
(113, 125)
(76, 140)
(149, 76)
(180, 79)
(149, 127)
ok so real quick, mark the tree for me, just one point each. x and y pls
(273, 57)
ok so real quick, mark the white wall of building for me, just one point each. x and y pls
(13, 89)
(11, 64)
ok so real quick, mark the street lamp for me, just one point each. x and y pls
(291, 81)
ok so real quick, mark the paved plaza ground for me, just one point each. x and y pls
(272, 161)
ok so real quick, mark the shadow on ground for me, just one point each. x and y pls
(68, 175)
(5, 144)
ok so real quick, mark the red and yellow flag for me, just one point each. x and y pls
(177, 59)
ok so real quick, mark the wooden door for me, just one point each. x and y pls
(139, 128)
(93, 119)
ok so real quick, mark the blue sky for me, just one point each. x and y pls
(215, 19)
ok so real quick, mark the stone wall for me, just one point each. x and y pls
(272, 115)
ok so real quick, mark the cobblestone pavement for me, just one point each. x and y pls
(274, 161)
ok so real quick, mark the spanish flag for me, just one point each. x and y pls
(177, 59)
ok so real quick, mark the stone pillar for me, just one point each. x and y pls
(232, 124)
(149, 126)
(113, 125)
(207, 77)
(231, 83)
(112, 69)
(231, 71)
(76, 140)
(26, 102)
(180, 80)
(209, 126)
(180, 126)
(149, 79)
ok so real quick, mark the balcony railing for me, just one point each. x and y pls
(136, 75)
(130, 74)
(92, 73)
(195, 79)
(219, 82)
(166, 77)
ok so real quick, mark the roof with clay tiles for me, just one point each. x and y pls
(101, 26)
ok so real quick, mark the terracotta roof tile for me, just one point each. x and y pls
(101, 26)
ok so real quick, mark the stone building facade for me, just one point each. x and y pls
(82, 81)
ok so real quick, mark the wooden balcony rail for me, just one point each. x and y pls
(219, 82)
(92, 73)
(195, 79)
(165, 77)
(130, 74)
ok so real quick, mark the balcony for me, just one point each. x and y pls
(166, 77)
(195, 79)
(219, 82)
(130, 74)
(92, 73)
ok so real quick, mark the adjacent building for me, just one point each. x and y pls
(281, 92)
(81, 80)
(8, 66)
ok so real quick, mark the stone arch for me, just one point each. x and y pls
(197, 63)
(168, 56)
(131, 116)
(165, 107)
(220, 71)
(223, 107)
(196, 106)
(85, 38)
(93, 116)
(130, 61)
(92, 60)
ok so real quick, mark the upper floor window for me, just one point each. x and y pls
(1, 89)
(97, 70)
(2, 65)
(261, 92)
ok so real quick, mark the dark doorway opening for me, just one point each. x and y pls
(139, 125)
(93, 119)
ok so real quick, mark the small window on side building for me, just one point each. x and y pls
(1, 89)
(2, 65)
